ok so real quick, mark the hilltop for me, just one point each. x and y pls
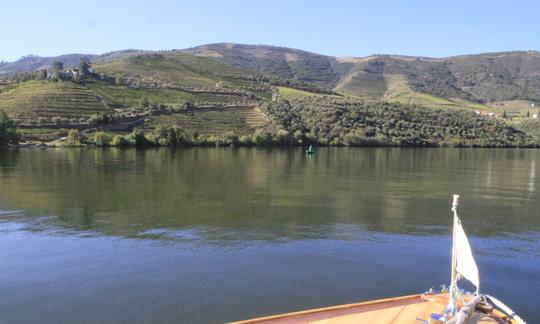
(481, 77)
(222, 89)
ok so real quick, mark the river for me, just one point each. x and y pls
(208, 235)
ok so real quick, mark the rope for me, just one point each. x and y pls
(505, 309)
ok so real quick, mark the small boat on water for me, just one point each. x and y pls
(449, 305)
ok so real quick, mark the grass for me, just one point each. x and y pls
(364, 85)
(515, 106)
(291, 93)
(399, 91)
(42, 134)
(33, 99)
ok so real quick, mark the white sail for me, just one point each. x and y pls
(465, 264)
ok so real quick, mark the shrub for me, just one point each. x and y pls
(8, 130)
(73, 138)
(137, 138)
(101, 139)
(145, 102)
(119, 80)
(229, 138)
(119, 140)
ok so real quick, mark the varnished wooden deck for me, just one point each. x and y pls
(400, 310)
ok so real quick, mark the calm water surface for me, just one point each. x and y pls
(213, 235)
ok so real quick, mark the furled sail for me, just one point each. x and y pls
(465, 264)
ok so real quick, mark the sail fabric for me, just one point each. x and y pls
(466, 266)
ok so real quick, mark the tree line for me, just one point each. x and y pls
(337, 121)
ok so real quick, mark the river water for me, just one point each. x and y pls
(208, 235)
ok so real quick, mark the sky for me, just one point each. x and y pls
(433, 28)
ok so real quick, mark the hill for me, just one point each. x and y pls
(33, 62)
(223, 88)
(280, 62)
(483, 77)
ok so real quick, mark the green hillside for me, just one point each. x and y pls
(225, 88)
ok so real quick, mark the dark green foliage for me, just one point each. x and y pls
(119, 80)
(119, 141)
(137, 138)
(8, 130)
(102, 139)
(57, 66)
(145, 102)
(170, 136)
(41, 75)
(531, 127)
(331, 121)
(102, 118)
(84, 66)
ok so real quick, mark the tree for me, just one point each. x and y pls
(84, 66)
(57, 66)
(504, 114)
(119, 80)
(101, 139)
(145, 102)
(8, 130)
(41, 75)
(73, 138)
(528, 114)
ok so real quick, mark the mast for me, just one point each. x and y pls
(451, 308)
(453, 278)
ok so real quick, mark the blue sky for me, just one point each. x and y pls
(338, 27)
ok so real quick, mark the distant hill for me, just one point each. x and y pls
(33, 62)
(482, 77)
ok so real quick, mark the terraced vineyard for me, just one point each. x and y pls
(213, 121)
(176, 68)
(30, 100)
(123, 96)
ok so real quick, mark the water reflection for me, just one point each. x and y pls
(213, 235)
(273, 193)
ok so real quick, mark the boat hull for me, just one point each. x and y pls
(405, 309)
